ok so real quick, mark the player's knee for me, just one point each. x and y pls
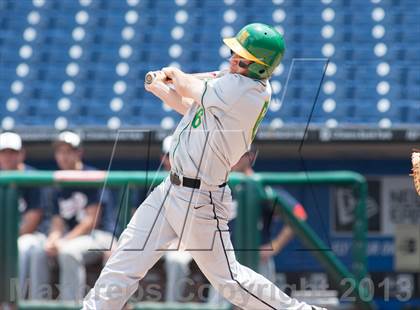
(26, 242)
(68, 258)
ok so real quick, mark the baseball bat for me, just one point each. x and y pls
(151, 76)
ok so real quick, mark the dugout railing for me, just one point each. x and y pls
(248, 198)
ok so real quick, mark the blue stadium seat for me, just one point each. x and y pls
(109, 29)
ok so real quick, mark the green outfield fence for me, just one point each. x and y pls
(249, 197)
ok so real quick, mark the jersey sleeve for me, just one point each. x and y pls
(223, 92)
(93, 196)
(32, 197)
(51, 196)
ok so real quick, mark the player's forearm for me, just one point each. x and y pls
(282, 239)
(27, 228)
(81, 229)
(170, 97)
(190, 87)
(30, 222)
(87, 224)
(57, 229)
(186, 85)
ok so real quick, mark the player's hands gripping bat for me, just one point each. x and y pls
(152, 76)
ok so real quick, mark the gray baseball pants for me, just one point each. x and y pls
(197, 221)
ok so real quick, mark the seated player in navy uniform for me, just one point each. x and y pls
(12, 156)
(77, 235)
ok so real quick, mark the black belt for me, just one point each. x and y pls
(188, 182)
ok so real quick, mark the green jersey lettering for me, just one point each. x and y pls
(260, 118)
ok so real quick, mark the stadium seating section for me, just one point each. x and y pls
(82, 62)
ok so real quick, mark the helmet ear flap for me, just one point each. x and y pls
(257, 71)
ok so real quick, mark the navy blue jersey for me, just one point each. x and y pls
(70, 204)
(29, 197)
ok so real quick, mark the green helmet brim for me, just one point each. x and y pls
(235, 46)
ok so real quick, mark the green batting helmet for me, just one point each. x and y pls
(261, 44)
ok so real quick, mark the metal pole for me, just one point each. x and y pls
(13, 221)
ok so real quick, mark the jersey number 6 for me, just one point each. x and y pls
(197, 118)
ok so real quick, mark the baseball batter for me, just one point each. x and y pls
(190, 209)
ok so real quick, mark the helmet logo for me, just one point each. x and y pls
(243, 36)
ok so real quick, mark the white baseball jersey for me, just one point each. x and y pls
(214, 133)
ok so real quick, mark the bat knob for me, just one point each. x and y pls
(150, 76)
